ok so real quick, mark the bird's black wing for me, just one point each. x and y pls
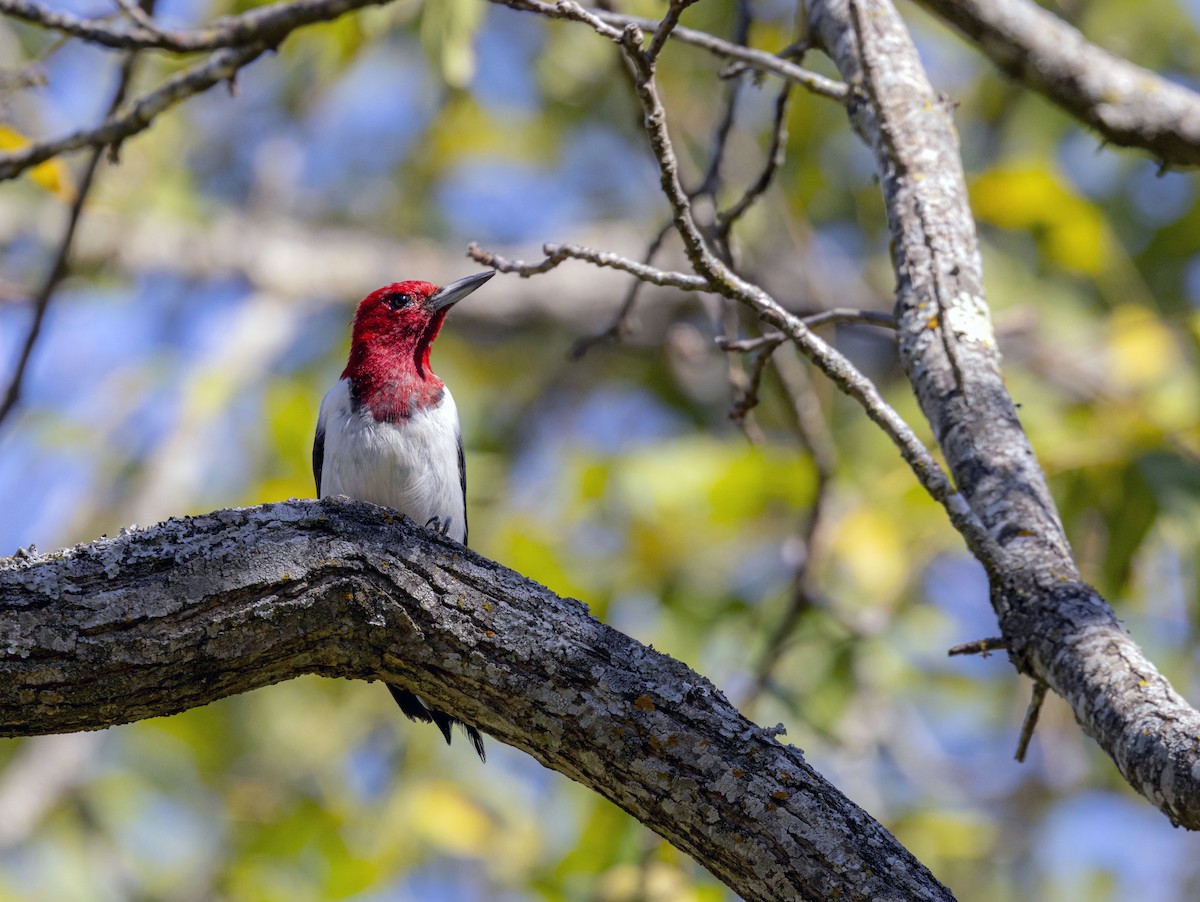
(462, 480)
(414, 708)
(319, 454)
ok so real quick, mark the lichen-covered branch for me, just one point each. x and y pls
(1126, 104)
(163, 619)
(1059, 630)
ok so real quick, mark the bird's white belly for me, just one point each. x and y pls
(410, 466)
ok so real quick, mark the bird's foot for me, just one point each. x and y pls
(439, 524)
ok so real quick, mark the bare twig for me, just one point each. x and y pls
(813, 431)
(747, 398)
(137, 116)
(58, 267)
(728, 218)
(665, 27)
(982, 647)
(1031, 719)
(267, 25)
(711, 183)
(765, 345)
(619, 327)
(812, 321)
(609, 25)
(558, 253)
(139, 16)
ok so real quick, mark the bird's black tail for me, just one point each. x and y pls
(416, 709)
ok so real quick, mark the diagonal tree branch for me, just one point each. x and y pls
(138, 115)
(1126, 104)
(164, 619)
(1060, 631)
(62, 255)
(265, 25)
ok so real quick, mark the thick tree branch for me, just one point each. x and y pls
(1128, 105)
(1060, 631)
(164, 619)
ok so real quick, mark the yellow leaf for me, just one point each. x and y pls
(1141, 349)
(52, 175)
(11, 139)
(870, 547)
(1071, 230)
(451, 821)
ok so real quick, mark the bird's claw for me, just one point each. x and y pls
(439, 525)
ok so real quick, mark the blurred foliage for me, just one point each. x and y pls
(616, 478)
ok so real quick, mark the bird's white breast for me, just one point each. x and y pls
(410, 466)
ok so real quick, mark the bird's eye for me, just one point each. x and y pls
(398, 300)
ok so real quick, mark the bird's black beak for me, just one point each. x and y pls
(449, 295)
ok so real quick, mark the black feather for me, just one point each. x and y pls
(476, 740)
(411, 705)
(462, 481)
(415, 708)
(319, 455)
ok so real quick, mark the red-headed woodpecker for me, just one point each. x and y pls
(388, 431)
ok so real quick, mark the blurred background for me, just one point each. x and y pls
(183, 361)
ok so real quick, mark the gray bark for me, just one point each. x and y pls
(1060, 631)
(164, 619)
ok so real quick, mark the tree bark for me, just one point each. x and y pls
(159, 620)
(1060, 630)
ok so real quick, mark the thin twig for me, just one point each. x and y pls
(609, 24)
(139, 16)
(665, 27)
(267, 25)
(981, 647)
(558, 253)
(137, 116)
(619, 327)
(813, 432)
(838, 315)
(743, 384)
(775, 155)
(1031, 719)
(747, 398)
(58, 267)
(711, 183)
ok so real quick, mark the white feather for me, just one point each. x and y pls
(410, 466)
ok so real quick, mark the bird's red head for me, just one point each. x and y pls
(394, 329)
